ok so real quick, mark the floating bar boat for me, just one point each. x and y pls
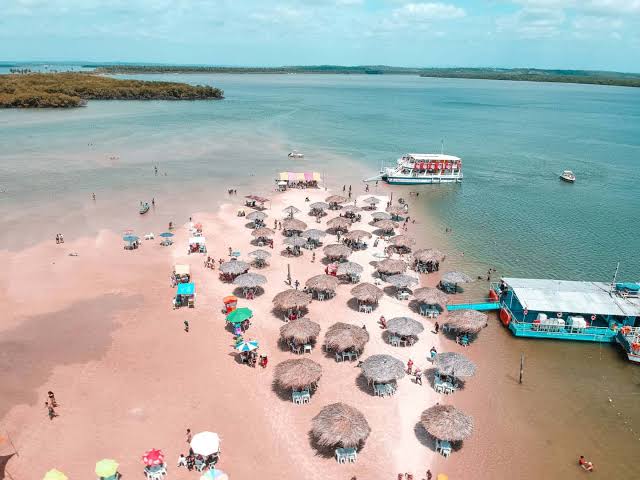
(571, 310)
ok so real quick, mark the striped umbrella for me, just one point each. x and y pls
(247, 346)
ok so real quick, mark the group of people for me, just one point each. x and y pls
(211, 263)
(59, 238)
(252, 359)
(198, 462)
(416, 372)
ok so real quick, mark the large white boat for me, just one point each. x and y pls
(419, 168)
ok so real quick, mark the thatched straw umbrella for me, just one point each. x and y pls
(386, 226)
(313, 235)
(334, 201)
(318, 206)
(402, 242)
(391, 266)
(260, 257)
(367, 293)
(294, 243)
(341, 224)
(404, 327)
(350, 211)
(234, 267)
(401, 281)
(263, 232)
(466, 321)
(339, 424)
(395, 211)
(337, 251)
(431, 296)
(455, 278)
(322, 283)
(300, 331)
(341, 337)
(298, 373)
(382, 369)
(293, 225)
(291, 211)
(291, 300)
(425, 255)
(257, 217)
(355, 235)
(445, 422)
(250, 280)
(371, 201)
(352, 269)
(380, 216)
(454, 365)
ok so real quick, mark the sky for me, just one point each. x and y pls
(580, 34)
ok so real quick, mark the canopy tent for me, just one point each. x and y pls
(197, 240)
(186, 289)
(299, 177)
(182, 270)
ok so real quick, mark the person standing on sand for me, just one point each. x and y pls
(313, 257)
(57, 238)
(296, 284)
(437, 327)
(52, 399)
(188, 435)
(186, 326)
(418, 376)
(94, 196)
(429, 475)
(409, 366)
(51, 412)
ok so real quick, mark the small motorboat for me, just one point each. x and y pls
(568, 176)
(144, 208)
(296, 154)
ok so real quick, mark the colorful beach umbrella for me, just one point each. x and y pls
(198, 226)
(239, 315)
(130, 238)
(106, 467)
(214, 474)
(153, 457)
(247, 346)
(442, 476)
(205, 443)
(54, 474)
(166, 234)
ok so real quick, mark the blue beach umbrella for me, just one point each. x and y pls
(214, 474)
(166, 234)
(130, 238)
(247, 346)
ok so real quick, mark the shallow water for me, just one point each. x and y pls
(512, 212)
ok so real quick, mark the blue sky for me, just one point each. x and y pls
(590, 34)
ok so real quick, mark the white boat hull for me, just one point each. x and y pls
(426, 180)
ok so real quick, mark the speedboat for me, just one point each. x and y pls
(296, 154)
(144, 208)
(568, 176)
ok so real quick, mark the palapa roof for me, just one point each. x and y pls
(300, 330)
(401, 280)
(313, 234)
(253, 216)
(250, 280)
(351, 208)
(322, 283)
(339, 222)
(456, 277)
(431, 296)
(234, 267)
(454, 364)
(403, 241)
(466, 321)
(391, 265)
(319, 206)
(445, 422)
(335, 199)
(263, 232)
(381, 216)
(295, 241)
(382, 368)
(340, 424)
(396, 210)
(350, 268)
(428, 255)
(371, 200)
(385, 225)
(405, 326)
(343, 336)
(337, 250)
(357, 235)
(367, 292)
(260, 254)
(291, 298)
(291, 210)
(294, 224)
(297, 373)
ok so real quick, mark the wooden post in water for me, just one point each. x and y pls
(521, 367)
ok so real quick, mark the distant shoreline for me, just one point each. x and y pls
(586, 77)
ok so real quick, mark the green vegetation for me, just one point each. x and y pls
(519, 74)
(65, 90)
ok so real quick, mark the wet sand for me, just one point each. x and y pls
(128, 378)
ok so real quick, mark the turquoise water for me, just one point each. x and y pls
(515, 138)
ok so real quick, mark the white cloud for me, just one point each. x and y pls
(532, 22)
(418, 12)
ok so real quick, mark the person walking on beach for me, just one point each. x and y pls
(153, 202)
(50, 410)
(94, 196)
(186, 326)
(52, 399)
(57, 238)
(437, 327)
(418, 376)
(429, 475)
(182, 461)
(296, 284)
(61, 238)
(188, 435)
(313, 257)
(409, 366)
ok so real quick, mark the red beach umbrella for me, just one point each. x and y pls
(153, 457)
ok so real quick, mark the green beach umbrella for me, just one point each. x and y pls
(239, 315)
(106, 467)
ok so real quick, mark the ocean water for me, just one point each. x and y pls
(512, 212)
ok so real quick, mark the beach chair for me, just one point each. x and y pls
(394, 341)
(339, 357)
(320, 296)
(352, 455)
(296, 398)
(307, 348)
(341, 455)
